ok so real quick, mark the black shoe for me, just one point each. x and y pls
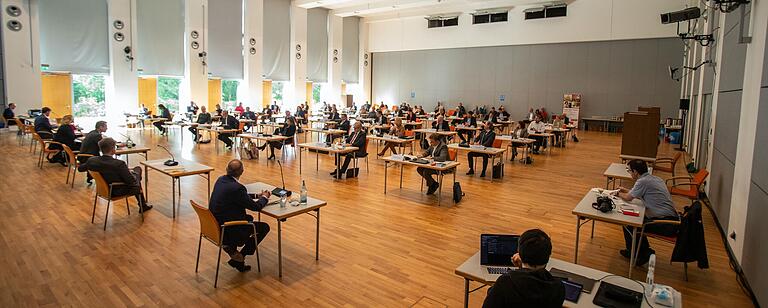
(334, 172)
(433, 188)
(482, 175)
(470, 172)
(239, 266)
(146, 207)
(261, 148)
(271, 157)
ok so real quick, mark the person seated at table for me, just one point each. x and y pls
(218, 110)
(165, 114)
(486, 139)
(502, 115)
(288, 130)
(468, 121)
(114, 170)
(355, 139)
(460, 110)
(192, 110)
(438, 151)
(65, 135)
(493, 116)
(334, 115)
(397, 130)
(437, 107)
(274, 107)
(90, 145)
(440, 124)
(228, 122)
(203, 118)
(43, 126)
(519, 132)
(419, 111)
(372, 114)
(410, 116)
(229, 200)
(531, 284)
(343, 125)
(8, 114)
(239, 109)
(301, 115)
(557, 122)
(537, 126)
(658, 204)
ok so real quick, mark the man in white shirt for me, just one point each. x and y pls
(537, 126)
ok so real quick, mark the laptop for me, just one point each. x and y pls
(496, 251)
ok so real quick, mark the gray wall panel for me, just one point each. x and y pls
(727, 130)
(721, 187)
(754, 261)
(759, 162)
(734, 56)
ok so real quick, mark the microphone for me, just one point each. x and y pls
(281, 191)
(171, 162)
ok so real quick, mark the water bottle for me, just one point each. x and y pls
(303, 198)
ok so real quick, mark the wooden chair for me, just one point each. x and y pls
(366, 156)
(693, 183)
(44, 150)
(661, 163)
(214, 233)
(72, 162)
(104, 191)
(452, 154)
(497, 143)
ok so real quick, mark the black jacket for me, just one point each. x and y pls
(526, 288)
(91, 143)
(165, 113)
(42, 124)
(344, 125)
(460, 111)
(8, 113)
(249, 115)
(443, 127)
(230, 122)
(204, 118)
(288, 131)
(357, 139)
(334, 116)
(113, 170)
(470, 121)
(486, 138)
(230, 199)
(690, 245)
(65, 135)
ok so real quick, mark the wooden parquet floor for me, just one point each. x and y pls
(393, 250)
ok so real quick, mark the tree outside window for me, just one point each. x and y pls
(277, 92)
(316, 89)
(229, 94)
(168, 92)
(88, 95)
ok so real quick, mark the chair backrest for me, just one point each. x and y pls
(497, 143)
(242, 125)
(36, 136)
(451, 154)
(451, 112)
(452, 128)
(699, 177)
(102, 188)
(676, 158)
(209, 227)
(409, 133)
(70, 155)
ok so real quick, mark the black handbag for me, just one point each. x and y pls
(353, 172)
(498, 170)
(457, 192)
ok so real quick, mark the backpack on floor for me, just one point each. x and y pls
(498, 170)
(205, 137)
(457, 192)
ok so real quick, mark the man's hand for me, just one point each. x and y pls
(517, 261)
(266, 194)
(623, 190)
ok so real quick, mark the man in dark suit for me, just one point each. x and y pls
(440, 124)
(228, 122)
(468, 121)
(439, 152)
(343, 125)
(486, 139)
(8, 114)
(43, 125)
(90, 144)
(460, 110)
(115, 170)
(355, 139)
(229, 201)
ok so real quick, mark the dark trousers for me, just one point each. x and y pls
(347, 159)
(237, 236)
(471, 160)
(131, 190)
(540, 142)
(644, 250)
(276, 145)
(469, 134)
(226, 138)
(194, 132)
(159, 125)
(427, 175)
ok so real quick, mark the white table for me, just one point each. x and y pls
(492, 152)
(322, 146)
(471, 270)
(281, 214)
(440, 167)
(184, 168)
(585, 211)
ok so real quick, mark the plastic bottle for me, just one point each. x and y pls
(303, 198)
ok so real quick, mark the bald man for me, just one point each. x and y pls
(355, 139)
(229, 201)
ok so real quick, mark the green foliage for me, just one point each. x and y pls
(168, 92)
(88, 95)
(229, 94)
(277, 91)
(316, 88)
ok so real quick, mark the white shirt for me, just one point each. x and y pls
(536, 127)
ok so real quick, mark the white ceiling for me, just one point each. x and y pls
(386, 9)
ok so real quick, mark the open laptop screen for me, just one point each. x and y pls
(497, 249)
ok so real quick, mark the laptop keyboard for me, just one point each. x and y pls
(498, 270)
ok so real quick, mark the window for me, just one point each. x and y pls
(439, 22)
(277, 92)
(481, 19)
(316, 90)
(484, 17)
(88, 95)
(229, 94)
(168, 92)
(499, 17)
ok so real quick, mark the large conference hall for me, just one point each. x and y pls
(466, 153)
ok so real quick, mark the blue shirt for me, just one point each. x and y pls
(652, 190)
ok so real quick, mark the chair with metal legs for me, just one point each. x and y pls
(104, 191)
(214, 233)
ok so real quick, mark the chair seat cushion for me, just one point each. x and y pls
(669, 239)
(690, 193)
